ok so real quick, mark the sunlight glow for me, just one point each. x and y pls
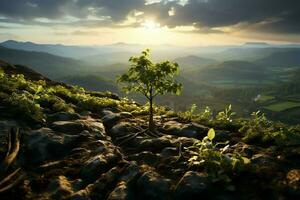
(151, 25)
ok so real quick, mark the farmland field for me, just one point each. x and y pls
(278, 107)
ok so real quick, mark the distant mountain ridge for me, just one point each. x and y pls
(47, 64)
(55, 49)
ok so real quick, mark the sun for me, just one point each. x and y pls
(151, 25)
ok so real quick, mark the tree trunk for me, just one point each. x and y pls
(151, 122)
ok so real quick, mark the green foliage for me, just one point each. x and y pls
(226, 115)
(206, 114)
(260, 130)
(30, 99)
(217, 162)
(191, 114)
(25, 106)
(150, 79)
(55, 103)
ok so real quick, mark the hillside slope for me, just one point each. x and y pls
(78, 144)
(230, 70)
(289, 58)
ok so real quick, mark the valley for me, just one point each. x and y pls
(214, 77)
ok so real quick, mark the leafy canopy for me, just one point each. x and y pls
(149, 78)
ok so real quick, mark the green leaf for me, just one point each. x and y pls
(211, 134)
(246, 160)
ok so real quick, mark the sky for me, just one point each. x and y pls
(175, 22)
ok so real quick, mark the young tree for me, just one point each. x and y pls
(150, 79)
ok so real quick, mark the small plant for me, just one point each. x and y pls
(216, 162)
(226, 115)
(206, 114)
(150, 79)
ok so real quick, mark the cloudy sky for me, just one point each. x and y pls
(179, 22)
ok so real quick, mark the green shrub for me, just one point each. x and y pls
(55, 103)
(24, 106)
(226, 115)
(192, 115)
(260, 130)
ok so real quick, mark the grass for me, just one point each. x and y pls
(282, 106)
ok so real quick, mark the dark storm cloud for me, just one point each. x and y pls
(54, 9)
(281, 15)
(263, 15)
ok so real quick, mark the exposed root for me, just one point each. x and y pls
(12, 150)
(13, 147)
(145, 132)
(13, 184)
(7, 178)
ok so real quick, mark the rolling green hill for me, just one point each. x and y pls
(230, 72)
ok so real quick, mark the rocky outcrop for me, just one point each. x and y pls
(80, 157)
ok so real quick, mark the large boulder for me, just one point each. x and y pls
(153, 186)
(95, 127)
(68, 127)
(121, 129)
(192, 186)
(97, 165)
(155, 145)
(44, 144)
(63, 116)
(110, 118)
(192, 130)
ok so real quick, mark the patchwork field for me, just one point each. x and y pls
(282, 106)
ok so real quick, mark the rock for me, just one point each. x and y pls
(152, 186)
(121, 129)
(95, 166)
(244, 149)
(262, 160)
(43, 144)
(145, 156)
(192, 186)
(185, 141)
(68, 127)
(6, 125)
(60, 188)
(119, 193)
(222, 136)
(155, 145)
(265, 165)
(130, 172)
(63, 116)
(192, 130)
(100, 188)
(110, 118)
(169, 151)
(95, 127)
(125, 115)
